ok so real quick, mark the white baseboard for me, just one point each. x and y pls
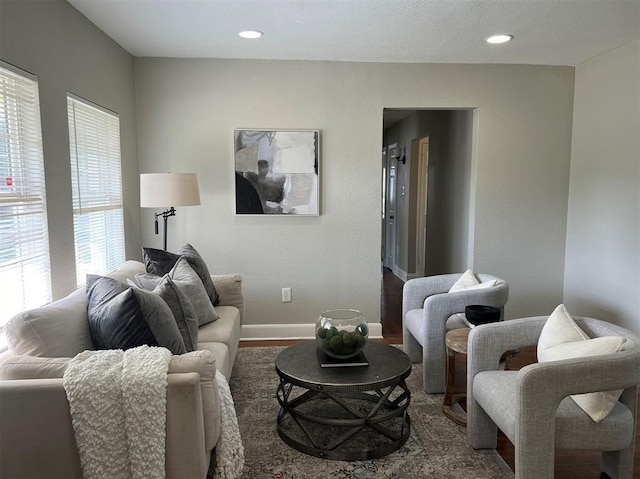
(400, 273)
(265, 332)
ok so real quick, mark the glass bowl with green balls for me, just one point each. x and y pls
(341, 333)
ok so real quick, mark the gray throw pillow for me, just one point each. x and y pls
(188, 282)
(148, 281)
(183, 311)
(121, 317)
(160, 262)
(200, 267)
(161, 321)
(115, 320)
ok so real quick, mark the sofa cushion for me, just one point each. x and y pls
(126, 270)
(562, 338)
(185, 278)
(122, 317)
(225, 330)
(160, 262)
(229, 289)
(58, 329)
(32, 367)
(203, 363)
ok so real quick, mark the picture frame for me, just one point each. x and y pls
(276, 172)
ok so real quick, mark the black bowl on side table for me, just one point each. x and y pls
(479, 314)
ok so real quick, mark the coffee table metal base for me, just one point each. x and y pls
(348, 426)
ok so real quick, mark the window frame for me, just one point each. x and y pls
(97, 191)
(26, 279)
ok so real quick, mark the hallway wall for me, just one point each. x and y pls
(448, 243)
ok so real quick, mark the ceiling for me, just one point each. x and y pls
(546, 32)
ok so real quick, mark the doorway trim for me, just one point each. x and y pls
(421, 209)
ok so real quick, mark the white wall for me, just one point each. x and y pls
(602, 272)
(188, 108)
(67, 53)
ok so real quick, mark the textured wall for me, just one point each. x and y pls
(67, 53)
(188, 108)
(602, 277)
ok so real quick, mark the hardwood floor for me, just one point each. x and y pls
(568, 464)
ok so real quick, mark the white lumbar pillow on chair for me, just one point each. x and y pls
(562, 338)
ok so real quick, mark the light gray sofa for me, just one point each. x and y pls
(36, 434)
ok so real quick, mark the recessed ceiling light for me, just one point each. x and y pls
(502, 38)
(251, 34)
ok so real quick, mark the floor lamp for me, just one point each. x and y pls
(167, 190)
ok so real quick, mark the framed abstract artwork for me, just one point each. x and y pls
(276, 172)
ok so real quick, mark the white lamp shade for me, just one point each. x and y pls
(163, 190)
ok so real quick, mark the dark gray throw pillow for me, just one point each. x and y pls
(115, 320)
(161, 321)
(121, 317)
(183, 310)
(160, 262)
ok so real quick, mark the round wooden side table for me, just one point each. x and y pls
(457, 341)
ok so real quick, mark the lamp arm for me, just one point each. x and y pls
(165, 216)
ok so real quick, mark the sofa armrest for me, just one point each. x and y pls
(488, 342)
(551, 381)
(186, 454)
(36, 434)
(229, 289)
(37, 438)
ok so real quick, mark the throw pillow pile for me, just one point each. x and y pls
(165, 309)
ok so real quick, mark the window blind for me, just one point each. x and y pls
(25, 270)
(94, 138)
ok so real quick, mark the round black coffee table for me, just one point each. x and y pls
(344, 413)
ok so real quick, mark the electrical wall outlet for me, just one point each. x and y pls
(286, 295)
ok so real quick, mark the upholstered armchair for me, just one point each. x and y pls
(532, 406)
(428, 310)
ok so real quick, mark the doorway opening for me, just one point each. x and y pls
(427, 178)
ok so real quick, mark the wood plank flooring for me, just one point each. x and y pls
(568, 464)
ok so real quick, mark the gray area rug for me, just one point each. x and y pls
(437, 447)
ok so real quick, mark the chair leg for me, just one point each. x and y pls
(482, 432)
(535, 460)
(433, 370)
(411, 346)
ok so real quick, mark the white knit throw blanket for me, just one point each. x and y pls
(229, 450)
(118, 405)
